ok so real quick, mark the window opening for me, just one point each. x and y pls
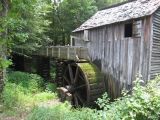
(128, 30)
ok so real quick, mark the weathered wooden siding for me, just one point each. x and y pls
(118, 57)
(155, 60)
(79, 42)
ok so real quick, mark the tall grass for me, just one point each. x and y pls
(24, 90)
(63, 112)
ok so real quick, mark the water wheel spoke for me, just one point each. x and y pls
(81, 86)
(79, 97)
(75, 100)
(76, 75)
(66, 79)
(81, 78)
(71, 73)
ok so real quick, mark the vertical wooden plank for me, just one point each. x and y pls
(130, 60)
(125, 65)
(136, 58)
(146, 47)
(103, 64)
(107, 51)
(155, 37)
(141, 53)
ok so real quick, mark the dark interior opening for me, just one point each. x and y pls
(128, 30)
(33, 64)
(18, 62)
(73, 42)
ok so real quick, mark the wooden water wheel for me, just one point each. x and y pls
(82, 83)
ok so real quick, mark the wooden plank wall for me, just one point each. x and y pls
(79, 42)
(121, 58)
(155, 60)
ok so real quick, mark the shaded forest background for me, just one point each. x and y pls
(29, 24)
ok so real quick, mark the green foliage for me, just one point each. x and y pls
(52, 71)
(143, 104)
(51, 87)
(31, 83)
(10, 95)
(43, 96)
(30, 24)
(24, 90)
(23, 27)
(4, 63)
(104, 101)
(104, 3)
(63, 112)
(68, 15)
(25, 24)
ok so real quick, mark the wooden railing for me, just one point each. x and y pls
(62, 52)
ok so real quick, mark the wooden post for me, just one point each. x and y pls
(47, 52)
(59, 52)
(68, 53)
(71, 41)
(52, 52)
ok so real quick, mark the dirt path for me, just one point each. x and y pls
(23, 114)
(50, 103)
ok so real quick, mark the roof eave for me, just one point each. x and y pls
(80, 30)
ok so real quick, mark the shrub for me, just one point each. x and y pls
(10, 95)
(51, 87)
(44, 96)
(53, 71)
(24, 90)
(143, 104)
(31, 83)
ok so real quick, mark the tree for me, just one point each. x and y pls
(22, 25)
(26, 23)
(68, 15)
(104, 3)
(3, 32)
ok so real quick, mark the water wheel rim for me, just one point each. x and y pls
(88, 87)
(73, 80)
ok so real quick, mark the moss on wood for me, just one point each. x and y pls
(92, 72)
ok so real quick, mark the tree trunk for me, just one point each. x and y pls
(3, 13)
(5, 7)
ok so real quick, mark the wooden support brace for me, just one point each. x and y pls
(64, 94)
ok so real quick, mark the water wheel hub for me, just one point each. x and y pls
(70, 88)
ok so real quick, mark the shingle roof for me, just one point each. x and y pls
(127, 11)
